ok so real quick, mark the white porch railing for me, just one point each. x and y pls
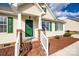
(44, 42)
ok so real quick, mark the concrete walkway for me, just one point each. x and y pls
(75, 36)
(72, 50)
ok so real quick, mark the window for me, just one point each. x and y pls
(47, 25)
(58, 26)
(3, 24)
(6, 24)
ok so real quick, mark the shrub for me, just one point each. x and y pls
(57, 37)
(67, 33)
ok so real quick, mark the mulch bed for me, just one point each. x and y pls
(58, 44)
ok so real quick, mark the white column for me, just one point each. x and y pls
(19, 21)
(40, 23)
(17, 45)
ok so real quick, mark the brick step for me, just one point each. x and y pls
(32, 48)
(36, 44)
(36, 52)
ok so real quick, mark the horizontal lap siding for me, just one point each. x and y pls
(71, 25)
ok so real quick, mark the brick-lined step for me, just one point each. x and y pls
(62, 42)
(33, 48)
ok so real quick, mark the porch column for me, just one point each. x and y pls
(19, 21)
(40, 23)
(17, 45)
(39, 26)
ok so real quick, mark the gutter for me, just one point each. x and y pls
(9, 12)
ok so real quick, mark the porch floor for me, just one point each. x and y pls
(34, 48)
(57, 44)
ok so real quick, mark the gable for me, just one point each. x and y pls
(48, 14)
(30, 8)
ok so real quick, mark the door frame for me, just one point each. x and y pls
(32, 29)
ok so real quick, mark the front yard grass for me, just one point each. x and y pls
(74, 33)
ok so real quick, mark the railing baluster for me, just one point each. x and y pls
(44, 42)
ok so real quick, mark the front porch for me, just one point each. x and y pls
(29, 27)
(28, 39)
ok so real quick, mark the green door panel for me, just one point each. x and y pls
(28, 28)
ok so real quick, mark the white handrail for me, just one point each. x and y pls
(44, 42)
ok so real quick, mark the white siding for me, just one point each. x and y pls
(9, 37)
(71, 25)
(53, 32)
(30, 9)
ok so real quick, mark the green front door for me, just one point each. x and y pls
(28, 28)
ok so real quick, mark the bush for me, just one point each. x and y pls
(57, 37)
(67, 33)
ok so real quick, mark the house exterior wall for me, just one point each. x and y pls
(53, 32)
(71, 25)
(34, 10)
(50, 17)
(9, 37)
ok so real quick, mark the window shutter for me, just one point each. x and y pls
(56, 26)
(10, 24)
(50, 26)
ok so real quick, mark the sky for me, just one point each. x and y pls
(61, 10)
(65, 10)
(5, 4)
